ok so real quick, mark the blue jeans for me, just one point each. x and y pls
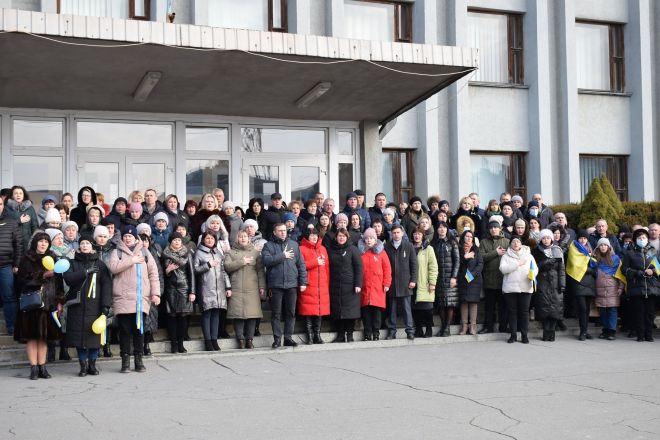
(85, 354)
(608, 317)
(8, 297)
(407, 314)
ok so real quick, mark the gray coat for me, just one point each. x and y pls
(404, 268)
(212, 282)
(281, 272)
(246, 280)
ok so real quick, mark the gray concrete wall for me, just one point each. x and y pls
(603, 124)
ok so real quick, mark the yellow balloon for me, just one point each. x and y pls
(48, 262)
(98, 326)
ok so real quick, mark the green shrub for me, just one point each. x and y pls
(615, 203)
(571, 210)
(642, 213)
(595, 206)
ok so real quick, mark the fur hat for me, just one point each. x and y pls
(250, 222)
(173, 236)
(87, 236)
(228, 204)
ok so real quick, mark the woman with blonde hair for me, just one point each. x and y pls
(466, 209)
(208, 206)
(136, 197)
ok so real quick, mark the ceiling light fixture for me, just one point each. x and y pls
(313, 94)
(147, 84)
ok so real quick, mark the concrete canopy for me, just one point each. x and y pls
(39, 72)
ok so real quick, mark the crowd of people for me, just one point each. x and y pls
(141, 264)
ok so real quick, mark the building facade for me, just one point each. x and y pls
(565, 91)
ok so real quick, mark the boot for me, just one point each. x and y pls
(464, 328)
(34, 372)
(429, 332)
(524, 339)
(512, 338)
(106, 351)
(139, 365)
(125, 363)
(173, 347)
(257, 333)
(179, 346)
(241, 344)
(147, 349)
(214, 343)
(222, 331)
(83, 369)
(376, 336)
(418, 331)
(64, 354)
(208, 346)
(349, 337)
(441, 332)
(545, 335)
(43, 373)
(91, 367)
(310, 329)
(50, 355)
(249, 344)
(341, 337)
(288, 342)
(552, 336)
(317, 338)
(310, 337)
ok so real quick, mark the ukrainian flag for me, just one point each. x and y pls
(531, 275)
(621, 277)
(468, 276)
(578, 261)
(656, 265)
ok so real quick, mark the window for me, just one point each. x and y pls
(499, 38)
(599, 52)
(135, 9)
(398, 175)
(207, 139)
(124, 135)
(48, 179)
(345, 142)
(280, 140)
(345, 171)
(38, 133)
(378, 20)
(495, 173)
(203, 175)
(260, 15)
(615, 168)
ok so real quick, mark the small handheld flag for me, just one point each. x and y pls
(468, 276)
(530, 274)
(621, 277)
(655, 265)
(56, 318)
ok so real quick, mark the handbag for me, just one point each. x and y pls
(31, 301)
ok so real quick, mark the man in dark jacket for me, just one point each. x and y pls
(536, 208)
(285, 273)
(601, 232)
(11, 250)
(273, 214)
(492, 248)
(380, 203)
(352, 206)
(403, 260)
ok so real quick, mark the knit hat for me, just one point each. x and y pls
(533, 204)
(288, 216)
(110, 220)
(546, 233)
(173, 236)
(143, 228)
(388, 211)
(52, 216)
(250, 222)
(517, 198)
(351, 195)
(515, 237)
(70, 224)
(52, 233)
(494, 224)
(639, 232)
(87, 236)
(135, 207)
(520, 222)
(48, 198)
(100, 209)
(120, 200)
(582, 233)
(414, 199)
(496, 218)
(100, 230)
(228, 204)
(443, 202)
(341, 216)
(604, 241)
(359, 192)
(161, 216)
(369, 232)
(129, 229)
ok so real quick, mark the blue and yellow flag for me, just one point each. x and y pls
(621, 277)
(531, 275)
(468, 276)
(655, 265)
(56, 318)
(577, 261)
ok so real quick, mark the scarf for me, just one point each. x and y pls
(610, 270)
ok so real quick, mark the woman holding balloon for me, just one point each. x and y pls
(89, 296)
(40, 324)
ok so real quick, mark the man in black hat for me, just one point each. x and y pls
(274, 214)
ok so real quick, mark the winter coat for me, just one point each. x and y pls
(16, 210)
(491, 273)
(635, 261)
(404, 267)
(161, 237)
(128, 220)
(608, 290)
(272, 216)
(550, 282)
(345, 275)
(515, 276)
(79, 213)
(449, 259)
(315, 300)
(427, 273)
(11, 240)
(199, 219)
(125, 279)
(470, 291)
(180, 282)
(281, 272)
(233, 223)
(411, 220)
(377, 275)
(85, 306)
(212, 283)
(586, 286)
(365, 218)
(474, 216)
(104, 252)
(174, 218)
(246, 280)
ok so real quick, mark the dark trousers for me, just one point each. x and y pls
(518, 311)
(495, 302)
(371, 320)
(177, 326)
(422, 318)
(583, 304)
(8, 297)
(642, 313)
(549, 324)
(210, 319)
(244, 328)
(345, 326)
(128, 331)
(283, 304)
(404, 301)
(313, 324)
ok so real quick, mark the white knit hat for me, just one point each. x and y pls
(547, 233)
(161, 216)
(52, 233)
(52, 216)
(228, 204)
(70, 224)
(144, 228)
(101, 230)
(604, 240)
(250, 222)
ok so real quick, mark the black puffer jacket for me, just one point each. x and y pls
(83, 306)
(470, 291)
(180, 282)
(11, 240)
(345, 275)
(586, 286)
(79, 213)
(550, 282)
(635, 261)
(281, 272)
(446, 252)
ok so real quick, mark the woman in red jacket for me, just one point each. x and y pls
(377, 280)
(314, 302)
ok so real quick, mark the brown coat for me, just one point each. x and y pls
(608, 290)
(125, 279)
(246, 280)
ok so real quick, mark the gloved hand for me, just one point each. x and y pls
(105, 311)
(91, 270)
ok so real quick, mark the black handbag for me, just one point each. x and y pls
(31, 301)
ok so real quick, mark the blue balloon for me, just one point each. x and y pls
(62, 266)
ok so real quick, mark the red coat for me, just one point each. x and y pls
(377, 276)
(315, 300)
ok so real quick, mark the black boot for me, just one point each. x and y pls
(43, 373)
(180, 347)
(83, 368)
(441, 332)
(552, 336)
(257, 333)
(147, 349)
(349, 337)
(125, 363)
(173, 347)
(34, 372)
(341, 337)
(317, 338)
(429, 331)
(106, 351)
(545, 335)
(207, 345)
(139, 365)
(91, 367)
(64, 354)
(222, 323)
(310, 334)
(214, 343)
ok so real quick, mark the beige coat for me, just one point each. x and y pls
(516, 275)
(125, 279)
(246, 280)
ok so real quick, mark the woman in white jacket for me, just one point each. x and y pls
(517, 286)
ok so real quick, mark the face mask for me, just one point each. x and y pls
(641, 243)
(533, 212)
(466, 228)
